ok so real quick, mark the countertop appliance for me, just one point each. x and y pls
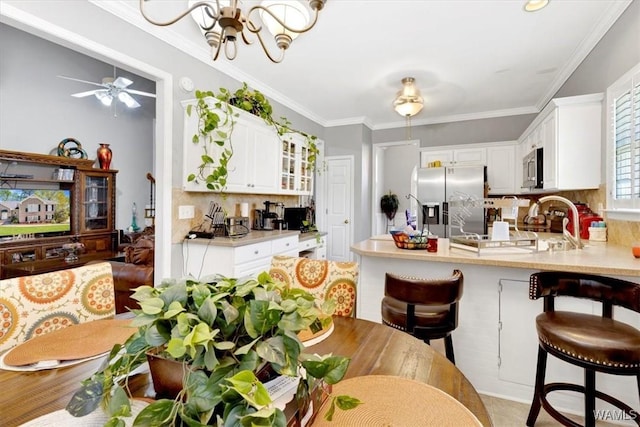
(585, 217)
(532, 167)
(265, 219)
(236, 226)
(295, 217)
(436, 186)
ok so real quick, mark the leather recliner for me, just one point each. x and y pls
(135, 271)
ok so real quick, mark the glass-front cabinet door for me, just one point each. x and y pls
(296, 175)
(288, 171)
(96, 201)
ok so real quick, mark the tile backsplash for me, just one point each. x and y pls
(229, 201)
(621, 233)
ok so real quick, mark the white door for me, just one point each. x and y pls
(339, 202)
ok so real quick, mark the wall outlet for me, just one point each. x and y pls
(186, 212)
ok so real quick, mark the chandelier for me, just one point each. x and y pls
(223, 22)
(408, 102)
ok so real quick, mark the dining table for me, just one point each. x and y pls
(374, 349)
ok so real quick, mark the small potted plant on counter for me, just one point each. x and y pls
(219, 335)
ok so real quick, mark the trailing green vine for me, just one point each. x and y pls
(216, 121)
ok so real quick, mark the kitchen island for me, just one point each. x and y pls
(496, 341)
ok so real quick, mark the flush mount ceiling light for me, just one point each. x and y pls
(534, 5)
(223, 22)
(408, 102)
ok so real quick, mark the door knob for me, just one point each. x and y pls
(346, 221)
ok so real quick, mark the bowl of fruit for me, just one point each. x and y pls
(412, 239)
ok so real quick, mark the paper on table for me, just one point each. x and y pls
(95, 419)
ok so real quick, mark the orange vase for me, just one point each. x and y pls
(104, 156)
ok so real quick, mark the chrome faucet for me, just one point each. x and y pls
(575, 239)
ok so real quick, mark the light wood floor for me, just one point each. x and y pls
(507, 413)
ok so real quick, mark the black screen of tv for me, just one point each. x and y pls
(35, 212)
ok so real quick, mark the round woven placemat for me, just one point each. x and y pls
(74, 342)
(395, 401)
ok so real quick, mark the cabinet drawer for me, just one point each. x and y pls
(285, 245)
(251, 252)
(307, 244)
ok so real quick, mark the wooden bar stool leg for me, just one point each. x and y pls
(448, 347)
(539, 387)
(589, 398)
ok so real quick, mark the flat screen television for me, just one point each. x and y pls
(37, 213)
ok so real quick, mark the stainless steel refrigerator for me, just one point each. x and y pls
(440, 187)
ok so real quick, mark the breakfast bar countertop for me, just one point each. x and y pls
(595, 258)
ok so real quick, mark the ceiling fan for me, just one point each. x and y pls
(112, 88)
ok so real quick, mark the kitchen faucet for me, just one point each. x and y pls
(575, 239)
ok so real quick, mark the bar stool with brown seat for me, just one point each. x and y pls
(594, 343)
(424, 308)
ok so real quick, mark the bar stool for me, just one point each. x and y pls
(424, 308)
(594, 343)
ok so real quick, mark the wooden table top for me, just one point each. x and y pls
(374, 349)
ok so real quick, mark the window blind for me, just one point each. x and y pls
(626, 131)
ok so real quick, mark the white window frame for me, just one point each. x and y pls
(621, 209)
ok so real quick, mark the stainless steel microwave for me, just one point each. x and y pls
(532, 168)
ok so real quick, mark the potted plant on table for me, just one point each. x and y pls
(220, 333)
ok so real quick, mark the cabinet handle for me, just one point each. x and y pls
(256, 252)
(288, 244)
(346, 221)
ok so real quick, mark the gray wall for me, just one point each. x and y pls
(465, 132)
(38, 111)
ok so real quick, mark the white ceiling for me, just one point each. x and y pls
(470, 58)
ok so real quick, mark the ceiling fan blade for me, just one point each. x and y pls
(139, 92)
(87, 93)
(82, 81)
(128, 100)
(122, 82)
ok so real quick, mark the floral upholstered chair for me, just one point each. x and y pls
(36, 305)
(323, 279)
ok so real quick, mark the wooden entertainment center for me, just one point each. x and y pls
(91, 211)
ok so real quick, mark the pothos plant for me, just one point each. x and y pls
(224, 330)
(216, 120)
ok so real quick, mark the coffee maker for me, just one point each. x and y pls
(268, 218)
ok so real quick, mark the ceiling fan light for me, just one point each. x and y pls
(408, 101)
(105, 98)
(408, 108)
(293, 13)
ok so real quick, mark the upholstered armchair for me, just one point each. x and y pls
(323, 279)
(36, 305)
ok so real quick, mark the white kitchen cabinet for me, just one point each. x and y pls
(501, 169)
(296, 172)
(253, 168)
(203, 258)
(569, 132)
(458, 156)
(313, 248)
